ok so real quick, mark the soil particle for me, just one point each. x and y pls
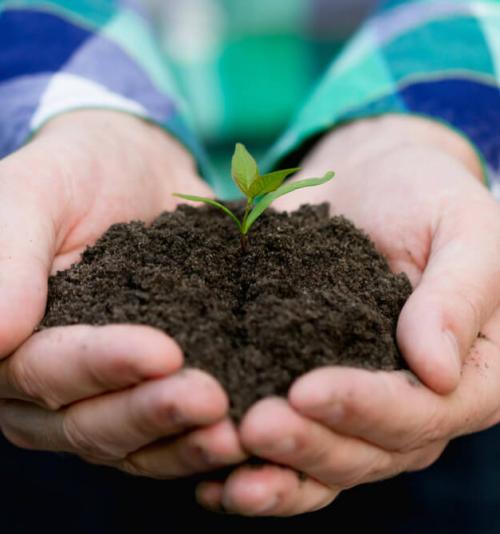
(311, 291)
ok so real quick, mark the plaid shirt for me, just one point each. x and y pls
(215, 71)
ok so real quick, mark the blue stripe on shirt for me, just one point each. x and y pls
(471, 107)
(25, 47)
(102, 61)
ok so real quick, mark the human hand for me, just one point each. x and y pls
(416, 194)
(109, 394)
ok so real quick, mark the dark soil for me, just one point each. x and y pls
(311, 291)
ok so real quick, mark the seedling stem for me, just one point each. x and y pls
(259, 190)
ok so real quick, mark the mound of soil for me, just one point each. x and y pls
(311, 291)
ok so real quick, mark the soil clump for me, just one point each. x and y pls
(311, 291)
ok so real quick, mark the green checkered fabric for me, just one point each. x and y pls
(267, 73)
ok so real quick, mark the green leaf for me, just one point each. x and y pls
(214, 203)
(269, 182)
(266, 201)
(243, 168)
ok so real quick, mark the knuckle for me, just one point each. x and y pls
(428, 432)
(433, 430)
(385, 466)
(342, 472)
(79, 441)
(85, 443)
(333, 469)
(27, 381)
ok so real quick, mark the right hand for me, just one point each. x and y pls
(412, 185)
(108, 394)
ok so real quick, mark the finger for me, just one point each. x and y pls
(389, 410)
(274, 431)
(393, 410)
(209, 495)
(61, 365)
(457, 293)
(111, 426)
(27, 244)
(201, 450)
(64, 260)
(266, 491)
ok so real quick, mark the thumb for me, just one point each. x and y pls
(26, 249)
(458, 292)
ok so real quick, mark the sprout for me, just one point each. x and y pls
(260, 190)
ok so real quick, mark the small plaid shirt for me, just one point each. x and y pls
(268, 73)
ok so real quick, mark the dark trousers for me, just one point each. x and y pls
(57, 493)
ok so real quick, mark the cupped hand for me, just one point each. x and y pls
(114, 395)
(414, 187)
(342, 427)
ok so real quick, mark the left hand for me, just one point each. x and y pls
(114, 394)
(412, 186)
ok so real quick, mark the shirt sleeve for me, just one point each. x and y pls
(433, 58)
(57, 56)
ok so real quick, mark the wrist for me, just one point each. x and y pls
(359, 142)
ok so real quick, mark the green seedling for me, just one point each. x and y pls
(259, 190)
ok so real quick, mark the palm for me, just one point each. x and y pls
(401, 229)
(108, 188)
(103, 168)
(102, 200)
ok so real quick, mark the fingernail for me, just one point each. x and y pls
(454, 351)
